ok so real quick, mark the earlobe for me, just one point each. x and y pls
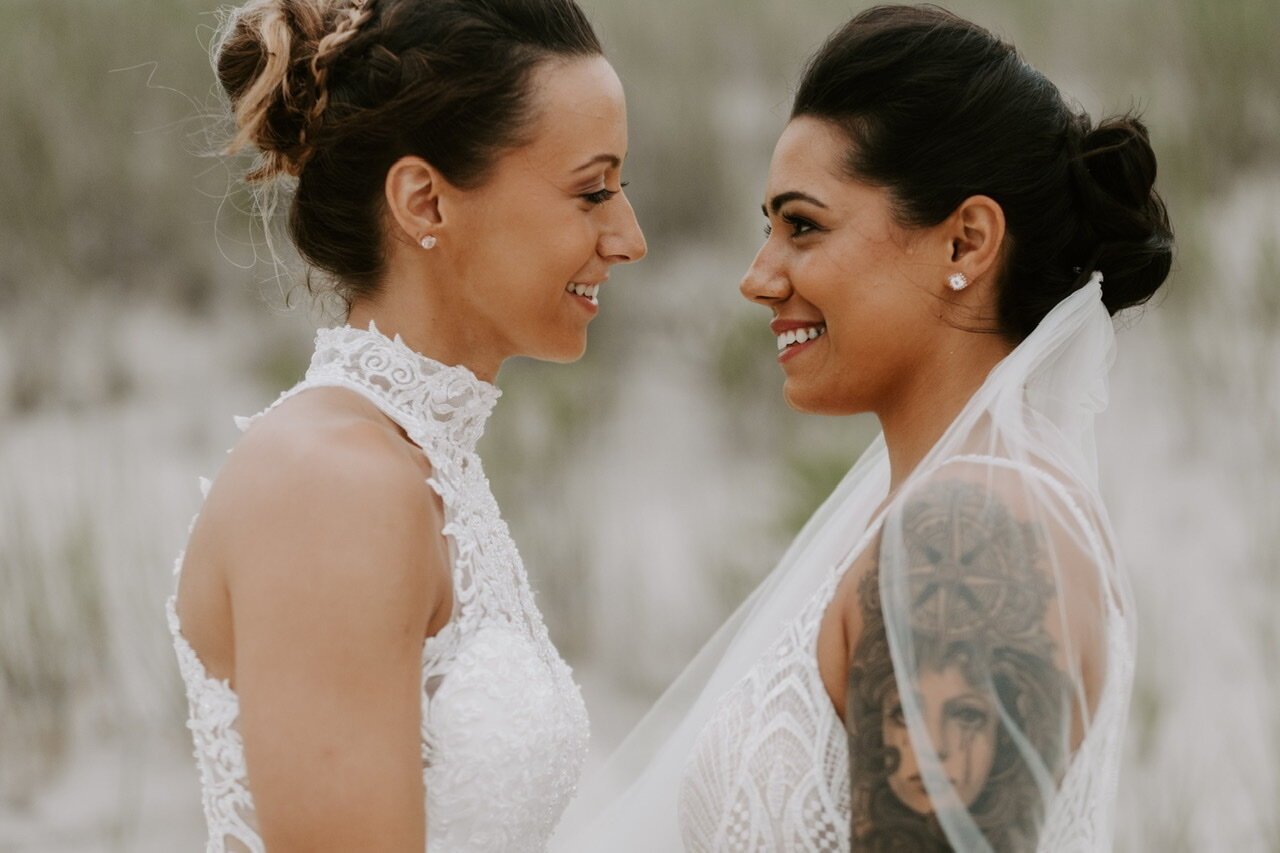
(412, 191)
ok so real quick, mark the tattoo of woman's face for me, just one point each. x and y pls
(977, 597)
(961, 721)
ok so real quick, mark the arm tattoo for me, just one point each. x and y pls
(978, 597)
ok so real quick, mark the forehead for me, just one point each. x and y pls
(579, 111)
(811, 152)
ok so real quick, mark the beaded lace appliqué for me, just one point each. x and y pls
(504, 728)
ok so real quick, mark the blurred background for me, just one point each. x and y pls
(649, 485)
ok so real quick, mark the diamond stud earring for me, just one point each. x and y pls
(958, 281)
(427, 242)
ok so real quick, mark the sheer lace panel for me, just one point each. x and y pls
(770, 770)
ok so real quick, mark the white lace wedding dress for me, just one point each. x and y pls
(504, 727)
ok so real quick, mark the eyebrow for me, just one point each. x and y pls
(612, 159)
(794, 195)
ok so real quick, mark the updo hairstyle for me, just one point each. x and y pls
(938, 109)
(333, 92)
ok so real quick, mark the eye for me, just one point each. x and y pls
(600, 196)
(969, 716)
(799, 225)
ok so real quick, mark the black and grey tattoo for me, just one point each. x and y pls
(984, 679)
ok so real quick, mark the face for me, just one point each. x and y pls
(850, 290)
(962, 727)
(529, 251)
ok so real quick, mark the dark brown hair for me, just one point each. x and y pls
(937, 109)
(333, 92)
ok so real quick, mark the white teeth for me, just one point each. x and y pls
(799, 336)
(587, 290)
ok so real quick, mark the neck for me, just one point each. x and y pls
(430, 320)
(916, 418)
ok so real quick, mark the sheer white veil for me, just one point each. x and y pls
(1019, 457)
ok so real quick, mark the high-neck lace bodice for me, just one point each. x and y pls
(504, 728)
(448, 406)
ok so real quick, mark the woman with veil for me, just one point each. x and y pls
(943, 658)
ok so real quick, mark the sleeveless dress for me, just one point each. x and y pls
(770, 769)
(504, 727)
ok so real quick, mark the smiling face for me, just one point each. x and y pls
(961, 722)
(851, 291)
(525, 253)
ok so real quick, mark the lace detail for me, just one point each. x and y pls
(504, 727)
(770, 769)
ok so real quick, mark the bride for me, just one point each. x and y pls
(943, 659)
(364, 663)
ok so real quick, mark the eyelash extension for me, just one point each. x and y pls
(603, 195)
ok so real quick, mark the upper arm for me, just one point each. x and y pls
(332, 581)
(994, 608)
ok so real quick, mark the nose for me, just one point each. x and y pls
(944, 740)
(765, 284)
(622, 241)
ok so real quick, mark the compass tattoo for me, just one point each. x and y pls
(992, 699)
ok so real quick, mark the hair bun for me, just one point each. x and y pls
(1116, 177)
(272, 63)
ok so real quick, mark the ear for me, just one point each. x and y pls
(977, 232)
(412, 191)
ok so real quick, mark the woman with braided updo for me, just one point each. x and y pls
(365, 665)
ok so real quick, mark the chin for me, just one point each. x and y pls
(816, 401)
(563, 352)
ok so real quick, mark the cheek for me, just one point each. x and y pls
(546, 235)
(537, 267)
(562, 231)
(577, 247)
(896, 737)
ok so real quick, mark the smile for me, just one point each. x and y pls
(588, 291)
(800, 336)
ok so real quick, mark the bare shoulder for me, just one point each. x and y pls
(1002, 546)
(335, 572)
(325, 455)
(324, 496)
(1044, 519)
(988, 628)
(1033, 489)
(987, 533)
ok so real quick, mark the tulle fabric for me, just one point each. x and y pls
(1002, 610)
